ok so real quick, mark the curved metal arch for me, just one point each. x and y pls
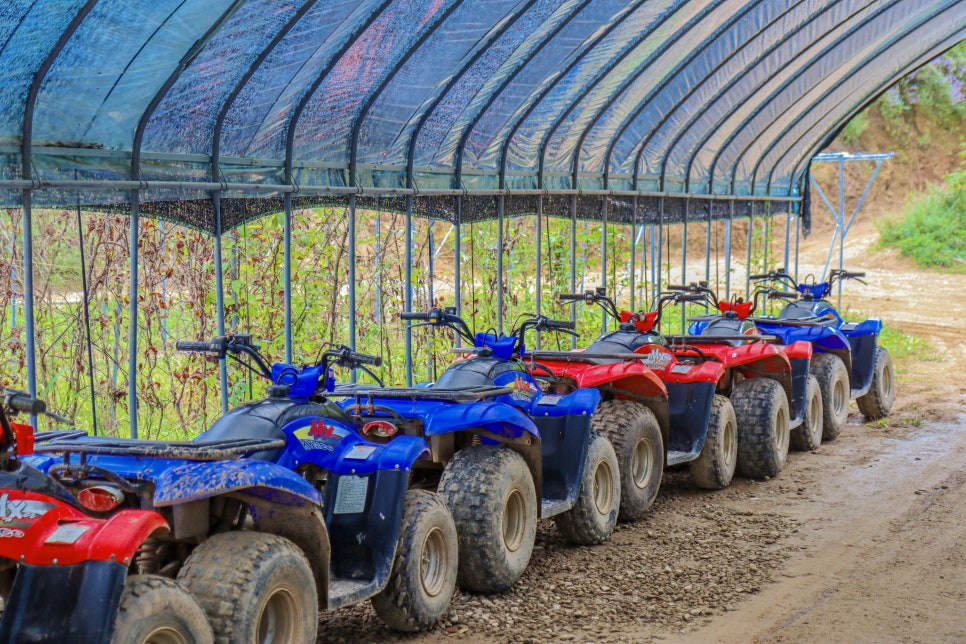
(825, 139)
(247, 76)
(687, 96)
(178, 70)
(336, 57)
(576, 57)
(889, 43)
(481, 47)
(686, 60)
(541, 162)
(758, 108)
(386, 79)
(694, 118)
(39, 76)
(464, 137)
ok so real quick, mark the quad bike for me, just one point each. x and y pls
(848, 361)
(735, 326)
(633, 413)
(367, 535)
(503, 451)
(66, 572)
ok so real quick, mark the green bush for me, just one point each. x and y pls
(932, 229)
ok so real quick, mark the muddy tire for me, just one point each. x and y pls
(491, 495)
(636, 436)
(715, 466)
(808, 436)
(254, 587)
(423, 576)
(877, 402)
(157, 610)
(761, 408)
(833, 382)
(594, 515)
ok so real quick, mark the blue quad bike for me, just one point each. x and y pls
(281, 508)
(848, 361)
(504, 452)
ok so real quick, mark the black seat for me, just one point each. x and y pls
(246, 422)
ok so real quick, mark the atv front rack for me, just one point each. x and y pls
(218, 450)
(467, 395)
(58, 435)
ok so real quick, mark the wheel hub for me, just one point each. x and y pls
(165, 635)
(603, 487)
(514, 520)
(279, 618)
(433, 563)
(642, 463)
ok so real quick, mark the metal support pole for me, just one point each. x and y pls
(431, 295)
(788, 217)
(457, 251)
(603, 262)
(684, 258)
(573, 261)
(842, 214)
(633, 251)
(379, 264)
(798, 235)
(220, 302)
(539, 254)
(499, 265)
(132, 348)
(28, 297)
(408, 292)
(87, 319)
(728, 223)
(766, 239)
(707, 248)
(660, 248)
(751, 225)
(287, 273)
(352, 278)
(654, 266)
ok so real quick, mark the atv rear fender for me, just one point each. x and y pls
(690, 411)
(193, 481)
(498, 419)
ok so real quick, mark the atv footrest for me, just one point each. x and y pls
(343, 592)
(469, 394)
(183, 450)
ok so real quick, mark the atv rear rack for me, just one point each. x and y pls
(812, 321)
(580, 356)
(718, 339)
(469, 394)
(183, 450)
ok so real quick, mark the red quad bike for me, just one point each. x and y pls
(633, 413)
(64, 572)
(645, 384)
(769, 384)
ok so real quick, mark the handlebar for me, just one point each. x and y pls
(22, 402)
(417, 316)
(783, 295)
(347, 357)
(196, 347)
(557, 325)
(576, 297)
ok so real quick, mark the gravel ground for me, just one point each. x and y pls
(697, 554)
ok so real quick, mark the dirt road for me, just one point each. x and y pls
(862, 540)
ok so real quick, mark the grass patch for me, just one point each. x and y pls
(932, 229)
(906, 348)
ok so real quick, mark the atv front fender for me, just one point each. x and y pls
(201, 480)
(630, 379)
(493, 417)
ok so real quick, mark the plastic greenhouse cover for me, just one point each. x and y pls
(697, 96)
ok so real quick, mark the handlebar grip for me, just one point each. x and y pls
(777, 295)
(194, 347)
(563, 325)
(571, 297)
(856, 275)
(759, 277)
(676, 287)
(364, 358)
(691, 297)
(26, 404)
(418, 316)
